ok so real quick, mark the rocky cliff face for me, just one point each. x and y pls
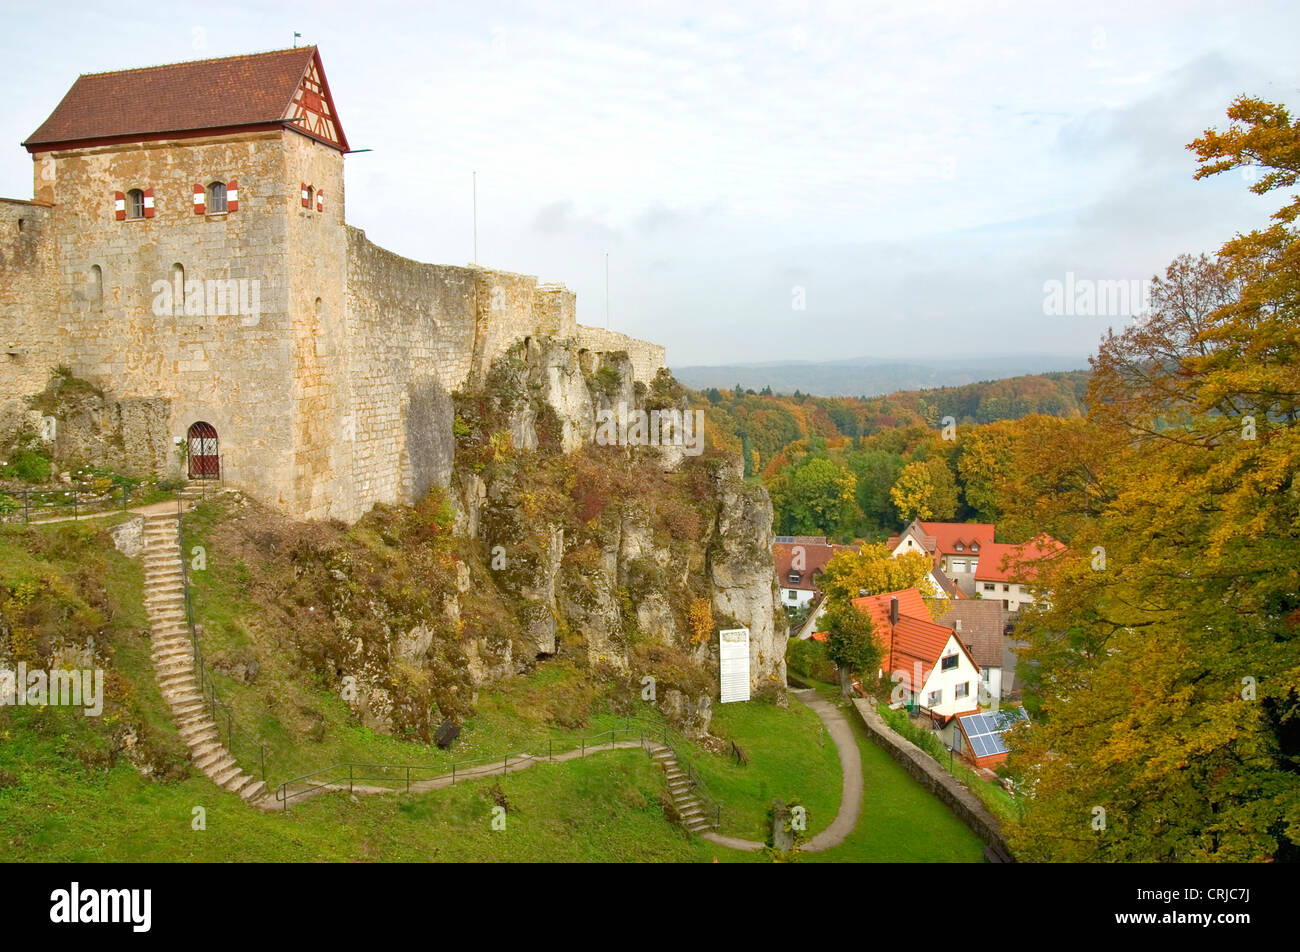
(627, 556)
(552, 541)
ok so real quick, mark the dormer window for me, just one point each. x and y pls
(217, 198)
(795, 578)
(975, 547)
(960, 547)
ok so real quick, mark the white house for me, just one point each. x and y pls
(1009, 573)
(928, 662)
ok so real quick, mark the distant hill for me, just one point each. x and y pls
(868, 376)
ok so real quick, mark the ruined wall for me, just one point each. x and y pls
(646, 357)
(30, 344)
(233, 371)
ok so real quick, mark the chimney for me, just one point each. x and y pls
(893, 610)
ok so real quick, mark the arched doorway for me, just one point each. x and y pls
(205, 461)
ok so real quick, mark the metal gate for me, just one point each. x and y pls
(205, 461)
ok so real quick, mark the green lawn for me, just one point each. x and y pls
(68, 791)
(791, 757)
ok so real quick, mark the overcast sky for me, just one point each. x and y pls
(918, 170)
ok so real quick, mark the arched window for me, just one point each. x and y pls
(311, 197)
(97, 286)
(135, 203)
(216, 197)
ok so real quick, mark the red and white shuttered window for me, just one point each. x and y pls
(200, 200)
(312, 198)
(232, 196)
(137, 203)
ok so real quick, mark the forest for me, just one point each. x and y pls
(859, 468)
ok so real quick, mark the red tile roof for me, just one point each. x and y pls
(815, 557)
(914, 640)
(947, 535)
(204, 95)
(1016, 563)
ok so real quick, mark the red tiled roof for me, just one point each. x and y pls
(1016, 563)
(915, 639)
(815, 557)
(212, 94)
(946, 535)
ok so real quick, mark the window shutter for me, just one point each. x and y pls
(200, 208)
(304, 196)
(232, 196)
(320, 200)
(119, 206)
(148, 203)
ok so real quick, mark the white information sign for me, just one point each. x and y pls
(733, 663)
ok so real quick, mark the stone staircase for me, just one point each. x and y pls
(173, 659)
(689, 807)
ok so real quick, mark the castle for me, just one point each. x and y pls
(186, 252)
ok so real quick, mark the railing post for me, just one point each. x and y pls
(263, 747)
(349, 780)
(453, 774)
(408, 779)
(74, 505)
(27, 506)
(584, 747)
(549, 754)
(505, 763)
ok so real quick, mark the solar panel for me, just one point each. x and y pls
(984, 731)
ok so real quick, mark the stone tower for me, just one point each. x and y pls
(186, 252)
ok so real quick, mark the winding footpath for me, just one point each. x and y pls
(850, 785)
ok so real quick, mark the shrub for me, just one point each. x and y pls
(32, 466)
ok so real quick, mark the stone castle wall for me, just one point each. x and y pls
(230, 370)
(647, 358)
(335, 396)
(31, 345)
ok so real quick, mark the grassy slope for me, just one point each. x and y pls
(66, 805)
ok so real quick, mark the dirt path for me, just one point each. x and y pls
(850, 785)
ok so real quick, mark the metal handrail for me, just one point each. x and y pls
(207, 687)
(313, 780)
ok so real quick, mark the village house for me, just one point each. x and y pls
(980, 625)
(1008, 573)
(799, 561)
(956, 547)
(933, 670)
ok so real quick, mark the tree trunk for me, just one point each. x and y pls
(846, 681)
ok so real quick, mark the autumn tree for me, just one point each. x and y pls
(869, 571)
(925, 489)
(1166, 669)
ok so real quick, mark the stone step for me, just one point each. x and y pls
(254, 791)
(216, 760)
(238, 783)
(225, 775)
